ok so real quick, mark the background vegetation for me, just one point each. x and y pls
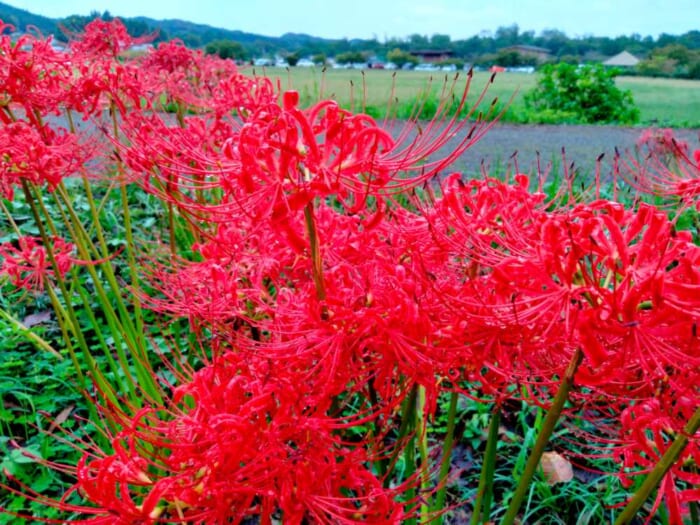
(667, 55)
(661, 101)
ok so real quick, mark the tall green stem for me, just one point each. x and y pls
(546, 431)
(70, 315)
(447, 447)
(131, 247)
(484, 493)
(659, 471)
(408, 414)
(422, 433)
(121, 323)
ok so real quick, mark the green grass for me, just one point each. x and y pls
(663, 102)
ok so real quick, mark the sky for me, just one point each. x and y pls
(400, 18)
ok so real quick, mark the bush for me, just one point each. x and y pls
(401, 57)
(587, 93)
(227, 49)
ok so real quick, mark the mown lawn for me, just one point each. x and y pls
(662, 102)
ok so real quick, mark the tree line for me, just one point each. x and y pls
(665, 55)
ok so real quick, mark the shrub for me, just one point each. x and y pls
(587, 92)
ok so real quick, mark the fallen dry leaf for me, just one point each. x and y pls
(556, 468)
(35, 319)
(61, 418)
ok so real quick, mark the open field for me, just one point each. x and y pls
(662, 102)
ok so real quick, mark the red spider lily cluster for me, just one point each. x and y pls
(322, 304)
(28, 265)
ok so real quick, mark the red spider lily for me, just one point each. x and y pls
(100, 78)
(238, 440)
(669, 170)
(33, 76)
(28, 266)
(100, 83)
(662, 142)
(373, 324)
(280, 158)
(647, 431)
(618, 284)
(172, 161)
(100, 38)
(202, 82)
(37, 155)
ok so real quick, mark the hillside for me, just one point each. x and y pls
(192, 34)
(22, 19)
(667, 55)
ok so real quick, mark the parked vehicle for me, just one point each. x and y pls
(427, 67)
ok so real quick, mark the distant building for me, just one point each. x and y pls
(432, 55)
(541, 54)
(623, 59)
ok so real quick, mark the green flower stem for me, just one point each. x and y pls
(133, 268)
(126, 383)
(408, 413)
(659, 471)
(121, 323)
(484, 493)
(131, 247)
(10, 219)
(69, 313)
(404, 431)
(447, 446)
(37, 340)
(546, 431)
(422, 434)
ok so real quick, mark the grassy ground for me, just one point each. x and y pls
(673, 102)
(663, 102)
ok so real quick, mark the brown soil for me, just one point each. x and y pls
(582, 145)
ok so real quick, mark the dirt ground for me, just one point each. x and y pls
(582, 145)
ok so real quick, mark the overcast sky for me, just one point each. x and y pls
(381, 19)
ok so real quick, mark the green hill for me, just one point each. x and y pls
(194, 35)
(22, 20)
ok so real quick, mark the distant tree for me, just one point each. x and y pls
(691, 39)
(671, 60)
(507, 36)
(292, 59)
(319, 59)
(554, 40)
(508, 58)
(675, 52)
(400, 57)
(438, 41)
(191, 39)
(657, 66)
(350, 57)
(570, 59)
(226, 49)
(694, 70)
(417, 41)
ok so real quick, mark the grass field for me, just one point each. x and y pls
(663, 102)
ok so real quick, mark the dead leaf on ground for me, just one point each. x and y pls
(556, 468)
(35, 319)
(61, 418)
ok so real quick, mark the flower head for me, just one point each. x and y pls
(27, 263)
